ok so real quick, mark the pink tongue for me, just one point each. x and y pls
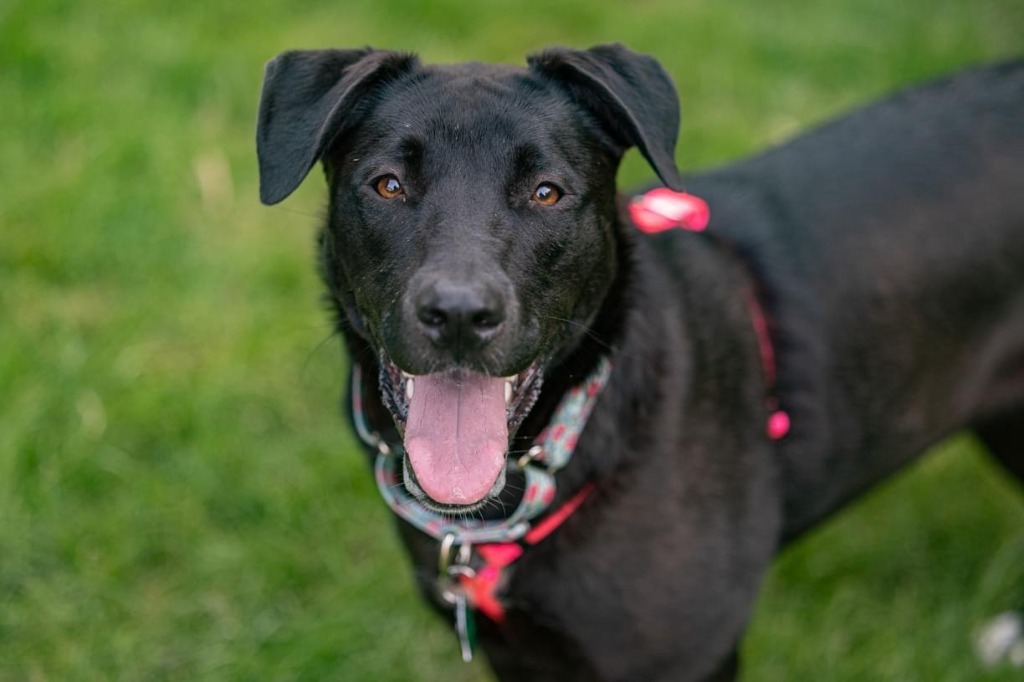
(456, 435)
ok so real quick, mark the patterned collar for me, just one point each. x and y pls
(475, 554)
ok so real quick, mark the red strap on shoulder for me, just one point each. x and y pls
(663, 209)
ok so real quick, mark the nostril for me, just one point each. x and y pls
(432, 317)
(486, 320)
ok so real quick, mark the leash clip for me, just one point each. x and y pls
(453, 564)
(450, 566)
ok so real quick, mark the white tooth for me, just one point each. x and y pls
(508, 392)
(409, 387)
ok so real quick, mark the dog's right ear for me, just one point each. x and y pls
(309, 97)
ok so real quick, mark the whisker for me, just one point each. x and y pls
(316, 349)
(515, 488)
(586, 330)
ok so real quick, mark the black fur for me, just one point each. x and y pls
(887, 247)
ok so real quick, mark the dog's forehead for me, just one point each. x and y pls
(463, 99)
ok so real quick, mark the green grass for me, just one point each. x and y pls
(179, 498)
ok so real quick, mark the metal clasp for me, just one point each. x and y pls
(450, 566)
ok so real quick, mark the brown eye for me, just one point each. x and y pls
(546, 194)
(388, 187)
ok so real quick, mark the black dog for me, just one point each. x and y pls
(482, 267)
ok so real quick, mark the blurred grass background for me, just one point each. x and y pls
(179, 498)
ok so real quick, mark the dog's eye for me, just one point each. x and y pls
(546, 194)
(388, 187)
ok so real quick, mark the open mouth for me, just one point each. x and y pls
(456, 427)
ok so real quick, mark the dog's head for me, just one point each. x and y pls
(471, 235)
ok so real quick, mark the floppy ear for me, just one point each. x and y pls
(630, 93)
(308, 98)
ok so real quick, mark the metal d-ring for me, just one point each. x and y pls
(444, 555)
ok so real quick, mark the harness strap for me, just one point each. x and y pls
(662, 209)
(481, 586)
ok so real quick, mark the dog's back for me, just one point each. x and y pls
(891, 244)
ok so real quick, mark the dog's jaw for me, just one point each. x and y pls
(446, 473)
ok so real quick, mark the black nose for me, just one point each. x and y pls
(459, 316)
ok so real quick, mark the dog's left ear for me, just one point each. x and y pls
(631, 95)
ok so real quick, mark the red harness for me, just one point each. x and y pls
(662, 209)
